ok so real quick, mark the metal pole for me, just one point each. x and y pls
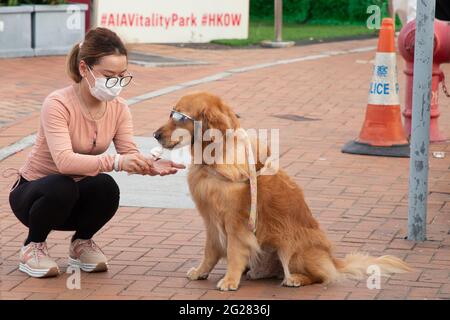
(391, 10)
(420, 127)
(278, 20)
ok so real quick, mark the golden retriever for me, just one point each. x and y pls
(288, 239)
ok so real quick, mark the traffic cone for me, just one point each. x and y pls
(382, 133)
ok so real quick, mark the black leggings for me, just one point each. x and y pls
(57, 202)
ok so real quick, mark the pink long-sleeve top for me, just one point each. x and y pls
(70, 142)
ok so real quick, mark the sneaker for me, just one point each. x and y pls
(86, 255)
(36, 262)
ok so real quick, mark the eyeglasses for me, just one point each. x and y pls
(123, 81)
(179, 116)
(112, 81)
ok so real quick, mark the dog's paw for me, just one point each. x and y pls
(292, 281)
(226, 284)
(194, 274)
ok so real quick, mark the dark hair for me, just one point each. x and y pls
(98, 42)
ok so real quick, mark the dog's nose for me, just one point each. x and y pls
(157, 135)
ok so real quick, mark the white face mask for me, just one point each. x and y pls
(101, 92)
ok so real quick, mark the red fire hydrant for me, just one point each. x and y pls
(441, 54)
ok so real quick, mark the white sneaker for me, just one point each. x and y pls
(86, 255)
(36, 262)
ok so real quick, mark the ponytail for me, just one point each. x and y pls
(73, 62)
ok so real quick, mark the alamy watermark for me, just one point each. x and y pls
(374, 279)
(234, 146)
(374, 20)
(73, 22)
(74, 280)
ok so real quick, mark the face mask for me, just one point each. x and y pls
(101, 92)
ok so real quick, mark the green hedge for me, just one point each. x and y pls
(317, 10)
(293, 10)
(330, 10)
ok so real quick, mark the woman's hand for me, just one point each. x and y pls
(165, 167)
(136, 163)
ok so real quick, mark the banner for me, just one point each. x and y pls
(172, 21)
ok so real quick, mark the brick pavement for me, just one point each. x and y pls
(361, 201)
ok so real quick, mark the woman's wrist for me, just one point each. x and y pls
(121, 162)
(117, 162)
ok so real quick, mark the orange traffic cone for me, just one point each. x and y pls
(382, 133)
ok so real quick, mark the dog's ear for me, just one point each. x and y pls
(219, 116)
(214, 119)
(233, 118)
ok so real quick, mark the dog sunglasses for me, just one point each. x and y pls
(179, 116)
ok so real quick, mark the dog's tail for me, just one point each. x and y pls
(358, 265)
